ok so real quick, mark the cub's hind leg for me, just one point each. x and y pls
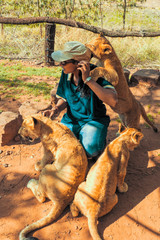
(78, 202)
(38, 193)
(108, 205)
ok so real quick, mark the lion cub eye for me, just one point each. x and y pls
(106, 49)
(93, 47)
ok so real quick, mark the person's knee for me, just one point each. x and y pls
(93, 138)
(93, 149)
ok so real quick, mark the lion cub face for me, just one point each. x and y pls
(100, 47)
(132, 137)
(30, 129)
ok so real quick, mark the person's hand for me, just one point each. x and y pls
(51, 113)
(84, 67)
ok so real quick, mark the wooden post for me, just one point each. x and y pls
(2, 30)
(50, 30)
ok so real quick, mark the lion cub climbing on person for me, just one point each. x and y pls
(57, 181)
(128, 108)
(96, 196)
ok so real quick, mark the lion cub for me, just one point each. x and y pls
(128, 108)
(57, 181)
(96, 196)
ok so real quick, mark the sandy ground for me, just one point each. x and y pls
(135, 217)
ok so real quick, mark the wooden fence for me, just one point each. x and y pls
(50, 30)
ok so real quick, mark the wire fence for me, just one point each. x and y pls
(28, 42)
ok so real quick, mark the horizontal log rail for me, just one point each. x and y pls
(72, 23)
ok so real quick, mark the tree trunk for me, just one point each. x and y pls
(2, 30)
(124, 14)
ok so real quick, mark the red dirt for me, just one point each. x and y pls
(137, 214)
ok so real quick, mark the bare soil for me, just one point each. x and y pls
(135, 217)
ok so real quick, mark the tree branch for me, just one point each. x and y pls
(71, 23)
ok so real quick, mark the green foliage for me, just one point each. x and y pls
(91, 12)
(130, 3)
(25, 41)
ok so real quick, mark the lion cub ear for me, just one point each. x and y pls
(107, 48)
(90, 46)
(136, 137)
(35, 121)
(101, 34)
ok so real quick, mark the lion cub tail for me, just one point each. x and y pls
(52, 216)
(145, 117)
(92, 224)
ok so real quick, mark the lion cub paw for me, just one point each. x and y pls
(32, 183)
(123, 188)
(38, 167)
(94, 76)
(74, 210)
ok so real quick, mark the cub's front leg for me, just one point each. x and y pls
(109, 74)
(47, 158)
(74, 210)
(122, 186)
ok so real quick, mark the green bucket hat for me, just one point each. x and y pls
(72, 50)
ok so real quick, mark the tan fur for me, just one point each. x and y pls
(57, 181)
(96, 197)
(128, 108)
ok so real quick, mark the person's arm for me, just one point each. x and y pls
(107, 95)
(61, 105)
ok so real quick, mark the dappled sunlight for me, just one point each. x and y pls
(154, 158)
(19, 207)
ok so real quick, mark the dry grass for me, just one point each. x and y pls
(25, 42)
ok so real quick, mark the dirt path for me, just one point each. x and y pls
(135, 217)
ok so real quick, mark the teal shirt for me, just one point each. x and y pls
(80, 108)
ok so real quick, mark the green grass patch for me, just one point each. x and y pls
(151, 119)
(18, 70)
(22, 87)
(12, 85)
